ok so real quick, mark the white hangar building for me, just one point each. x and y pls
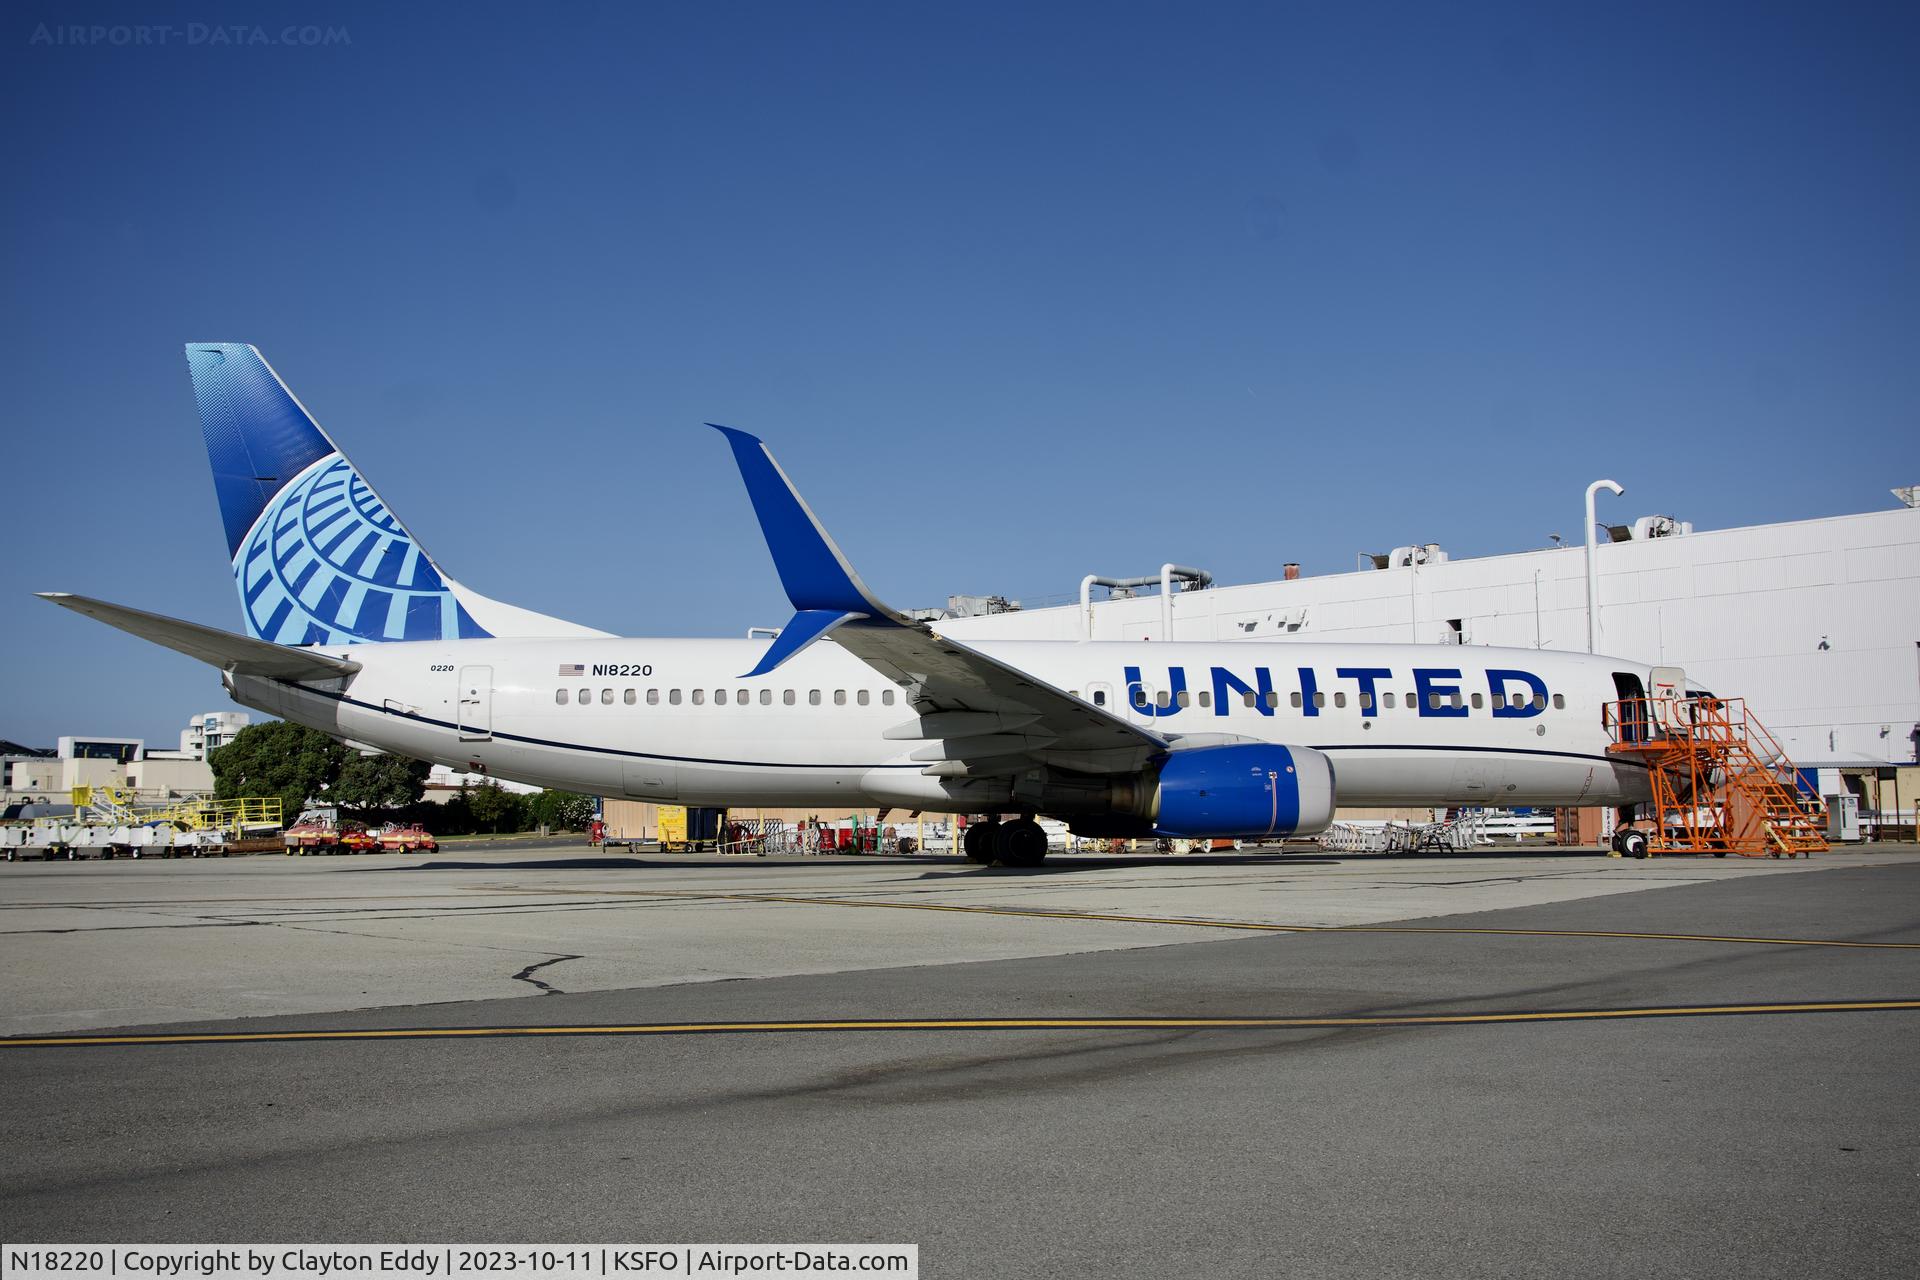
(1816, 623)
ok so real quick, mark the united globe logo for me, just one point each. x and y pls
(327, 563)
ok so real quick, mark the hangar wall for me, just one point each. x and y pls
(1815, 622)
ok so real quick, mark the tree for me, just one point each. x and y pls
(560, 810)
(379, 782)
(280, 759)
(493, 806)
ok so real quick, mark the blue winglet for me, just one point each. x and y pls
(823, 587)
(807, 626)
(812, 569)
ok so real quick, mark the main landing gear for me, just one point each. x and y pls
(1020, 843)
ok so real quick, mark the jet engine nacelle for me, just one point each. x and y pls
(1244, 790)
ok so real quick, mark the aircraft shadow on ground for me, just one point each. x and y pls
(947, 866)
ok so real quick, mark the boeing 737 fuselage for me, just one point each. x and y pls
(355, 631)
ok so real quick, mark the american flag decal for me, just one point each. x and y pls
(572, 669)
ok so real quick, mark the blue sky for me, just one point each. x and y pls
(1016, 292)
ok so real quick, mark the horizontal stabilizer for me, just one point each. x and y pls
(241, 655)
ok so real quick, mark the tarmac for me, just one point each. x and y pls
(1301, 1065)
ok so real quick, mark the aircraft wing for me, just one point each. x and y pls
(241, 655)
(978, 716)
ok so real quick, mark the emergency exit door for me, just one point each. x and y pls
(475, 714)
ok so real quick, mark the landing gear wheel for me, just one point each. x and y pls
(1633, 844)
(979, 840)
(1022, 843)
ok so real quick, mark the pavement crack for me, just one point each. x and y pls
(526, 975)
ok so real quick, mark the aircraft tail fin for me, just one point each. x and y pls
(317, 557)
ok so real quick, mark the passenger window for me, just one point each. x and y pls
(584, 696)
(630, 697)
(1184, 698)
(862, 697)
(673, 697)
(1476, 702)
(813, 697)
(1366, 701)
(1388, 699)
(1499, 702)
(740, 697)
(699, 697)
(1297, 700)
(1252, 699)
(1206, 699)
(653, 697)
(719, 697)
(1339, 698)
(606, 697)
(1539, 702)
(786, 698)
(1320, 700)
(1273, 700)
(839, 697)
(1433, 702)
(886, 697)
(1559, 702)
(1455, 701)
(560, 696)
(766, 697)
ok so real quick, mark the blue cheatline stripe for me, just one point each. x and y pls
(1504, 751)
(781, 764)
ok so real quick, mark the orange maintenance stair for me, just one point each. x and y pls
(1721, 783)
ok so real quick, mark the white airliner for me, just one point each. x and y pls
(354, 630)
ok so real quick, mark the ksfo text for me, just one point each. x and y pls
(721, 1260)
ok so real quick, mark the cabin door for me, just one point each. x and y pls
(475, 715)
